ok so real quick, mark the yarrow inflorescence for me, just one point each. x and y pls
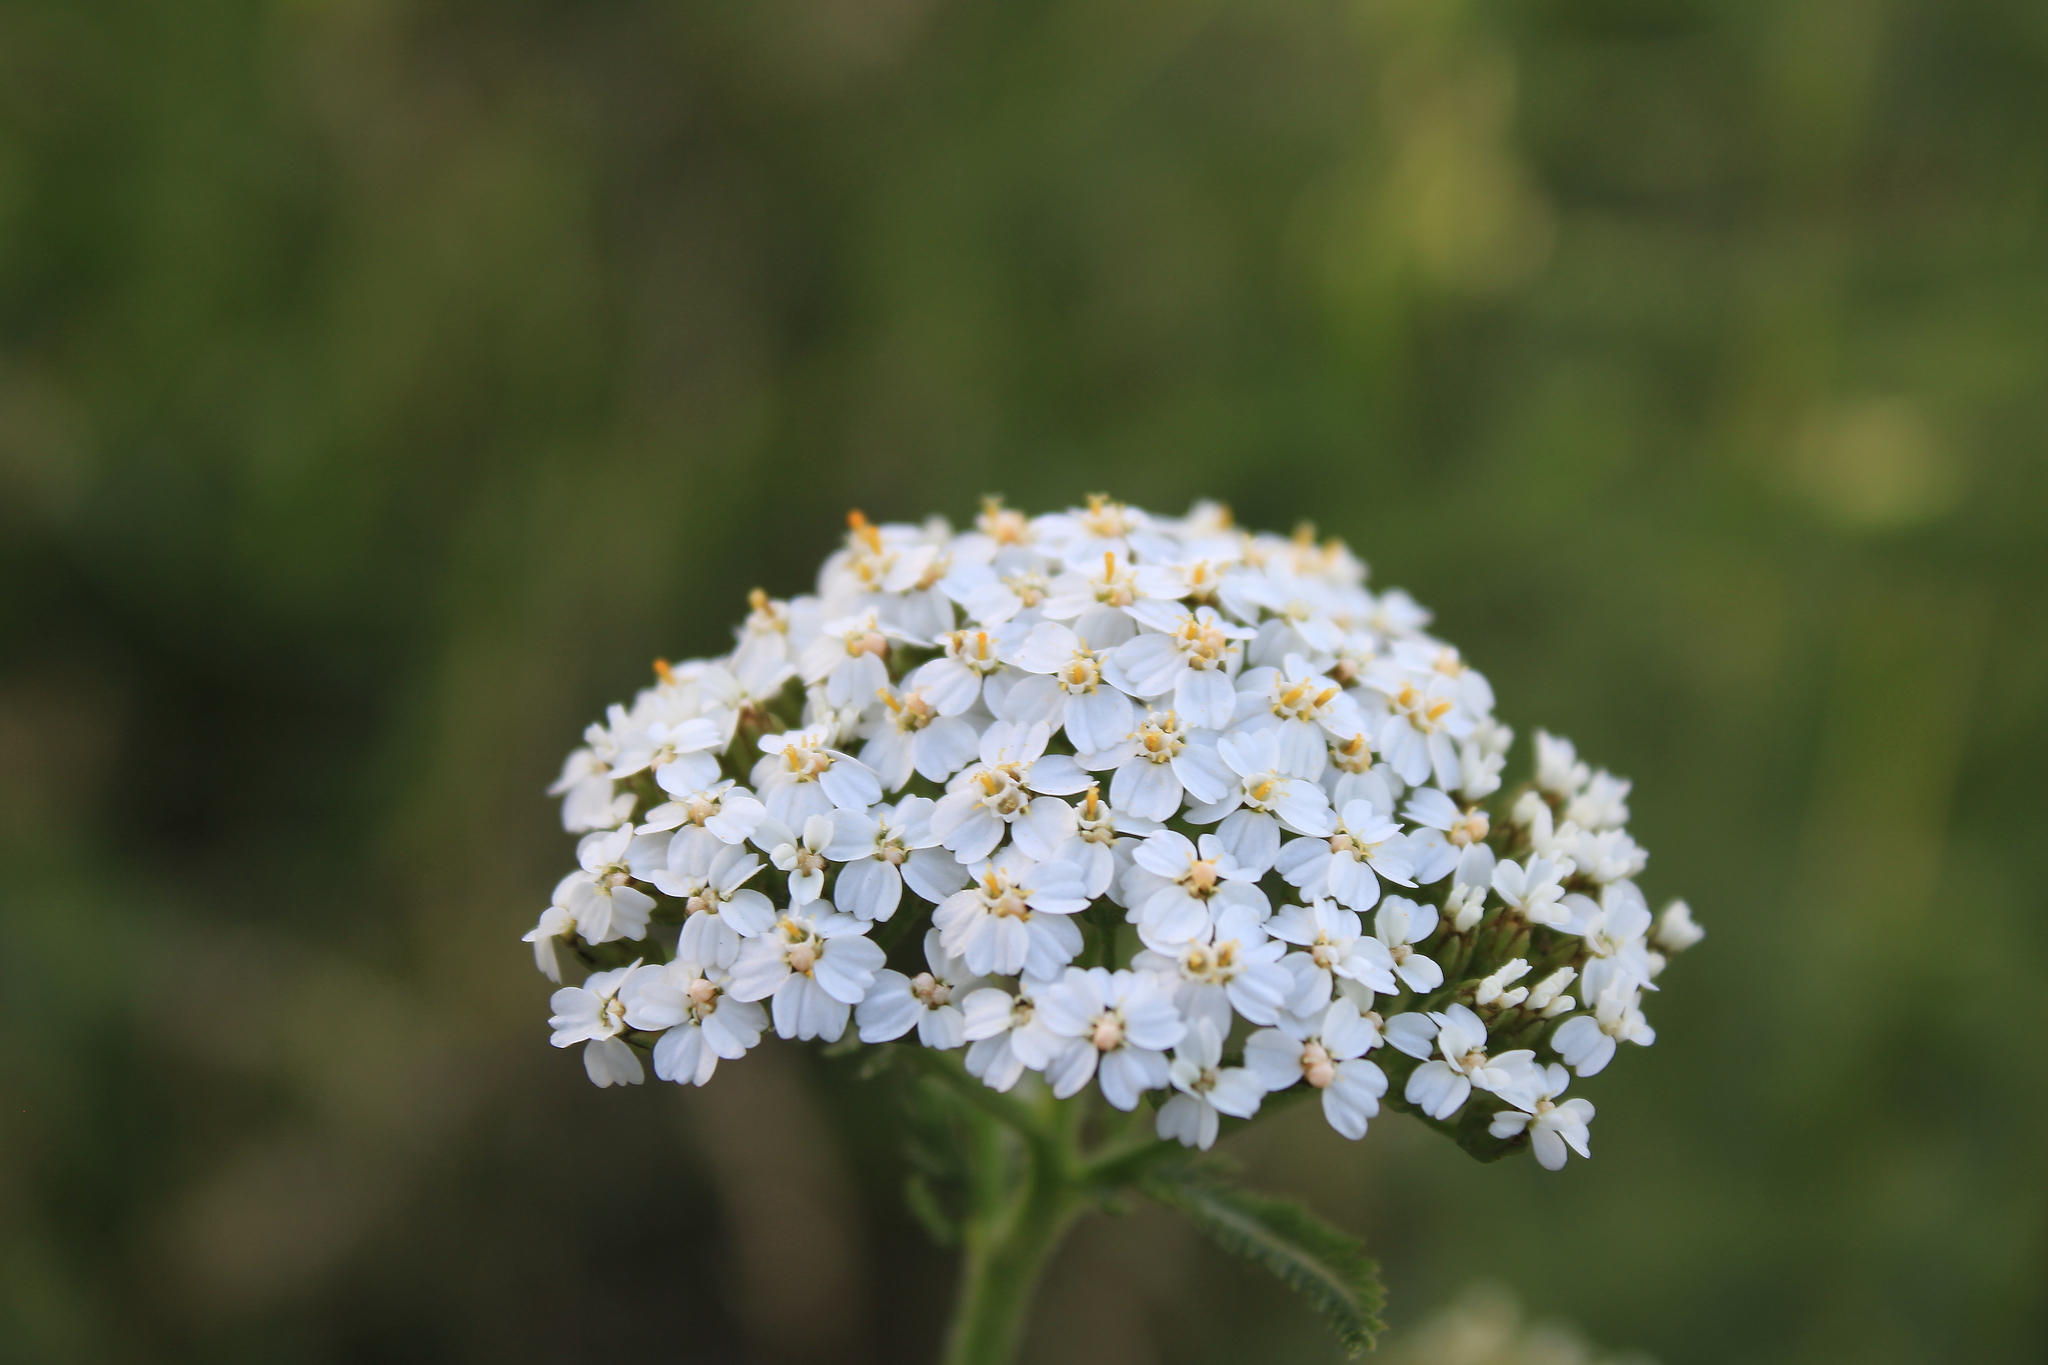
(1180, 810)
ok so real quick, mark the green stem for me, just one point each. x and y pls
(1006, 1246)
(1025, 1188)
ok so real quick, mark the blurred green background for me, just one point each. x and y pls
(383, 383)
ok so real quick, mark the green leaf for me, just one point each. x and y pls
(1327, 1267)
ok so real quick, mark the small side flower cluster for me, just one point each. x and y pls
(1178, 809)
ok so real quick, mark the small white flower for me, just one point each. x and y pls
(1175, 889)
(971, 817)
(1616, 935)
(1401, 924)
(722, 810)
(703, 1024)
(1362, 842)
(1158, 763)
(972, 661)
(1424, 657)
(1552, 1127)
(601, 897)
(1103, 596)
(1015, 916)
(1497, 990)
(1440, 1087)
(1603, 805)
(801, 775)
(1535, 890)
(876, 561)
(1125, 1022)
(1066, 689)
(1422, 726)
(764, 637)
(847, 658)
(719, 909)
(746, 683)
(1082, 535)
(587, 788)
(1094, 836)
(1587, 1041)
(991, 1019)
(1558, 770)
(1471, 880)
(1608, 856)
(1233, 967)
(556, 926)
(1189, 656)
(1547, 997)
(1675, 928)
(883, 850)
(1207, 1089)
(911, 736)
(1335, 945)
(816, 965)
(1447, 831)
(684, 745)
(1483, 755)
(929, 1000)
(1304, 710)
(594, 1014)
(802, 856)
(1326, 1049)
(1266, 798)
(1350, 759)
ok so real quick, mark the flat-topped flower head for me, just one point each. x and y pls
(1065, 760)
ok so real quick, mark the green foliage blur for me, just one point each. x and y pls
(384, 383)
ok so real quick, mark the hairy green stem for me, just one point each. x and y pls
(1026, 1185)
(1005, 1246)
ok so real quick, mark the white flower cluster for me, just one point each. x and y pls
(1191, 810)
